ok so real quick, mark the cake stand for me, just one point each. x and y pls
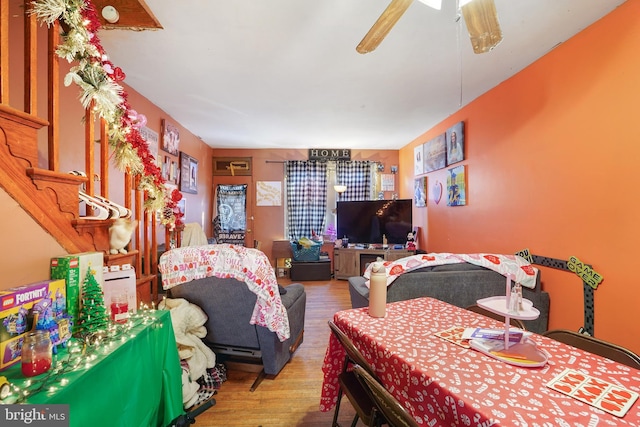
(524, 353)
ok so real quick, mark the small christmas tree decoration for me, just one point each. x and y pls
(93, 314)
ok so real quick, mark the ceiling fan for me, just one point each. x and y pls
(480, 17)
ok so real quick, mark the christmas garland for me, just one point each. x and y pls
(98, 79)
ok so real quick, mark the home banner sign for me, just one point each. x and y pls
(326, 154)
(232, 212)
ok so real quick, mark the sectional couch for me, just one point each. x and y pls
(458, 284)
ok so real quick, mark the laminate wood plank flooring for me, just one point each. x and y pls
(292, 398)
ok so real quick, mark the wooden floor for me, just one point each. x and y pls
(293, 397)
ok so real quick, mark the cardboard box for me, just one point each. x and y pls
(16, 314)
(73, 269)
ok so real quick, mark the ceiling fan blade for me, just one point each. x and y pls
(383, 25)
(484, 30)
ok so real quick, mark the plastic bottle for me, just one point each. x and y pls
(377, 290)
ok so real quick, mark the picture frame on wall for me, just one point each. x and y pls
(153, 141)
(174, 175)
(182, 206)
(418, 163)
(193, 175)
(457, 186)
(435, 153)
(268, 193)
(166, 168)
(188, 173)
(455, 143)
(420, 192)
(170, 137)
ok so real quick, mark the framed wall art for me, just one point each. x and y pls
(387, 182)
(418, 163)
(182, 206)
(268, 193)
(153, 141)
(457, 186)
(188, 173)
(420, 192)
(170, 138)
(166, 168)
(174, 173)
(435, 153)
(455, 143)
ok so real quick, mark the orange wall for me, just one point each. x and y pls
(551, 163)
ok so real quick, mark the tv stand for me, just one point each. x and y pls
(349, 262)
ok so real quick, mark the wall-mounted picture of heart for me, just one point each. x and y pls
(436, 192)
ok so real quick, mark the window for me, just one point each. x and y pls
(311, 199)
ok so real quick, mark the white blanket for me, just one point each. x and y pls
(188, 322)
(513, 266)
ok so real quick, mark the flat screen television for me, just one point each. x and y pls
(368, 220)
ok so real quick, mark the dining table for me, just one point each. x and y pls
(443, 383)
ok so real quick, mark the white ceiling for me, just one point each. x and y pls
(285, 73)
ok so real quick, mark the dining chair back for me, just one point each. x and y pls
(394, 413)
(349, 385)
(517, 323)
(596, 346)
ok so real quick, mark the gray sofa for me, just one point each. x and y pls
(458, 284)
(229, 304)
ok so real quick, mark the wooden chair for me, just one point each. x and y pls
(517, 323)
(351, 387)
(596, 346)
(394, 413)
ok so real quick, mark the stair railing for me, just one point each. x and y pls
(145, 242)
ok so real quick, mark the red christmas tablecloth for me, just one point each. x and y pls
(442, 383)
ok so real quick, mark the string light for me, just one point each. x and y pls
(81, 353)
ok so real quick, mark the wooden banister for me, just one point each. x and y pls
(104, 158)
(4, 52)
(53, 104)
(30, 61)
(49, 195)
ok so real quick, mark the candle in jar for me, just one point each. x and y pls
(119, 308)
(37, 353)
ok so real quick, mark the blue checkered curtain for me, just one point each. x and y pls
(306, 197)
(356, 175)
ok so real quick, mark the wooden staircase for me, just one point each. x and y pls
(49, 196)
(51, 199)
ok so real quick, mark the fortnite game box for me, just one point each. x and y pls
(17, 308)
(73, 269)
